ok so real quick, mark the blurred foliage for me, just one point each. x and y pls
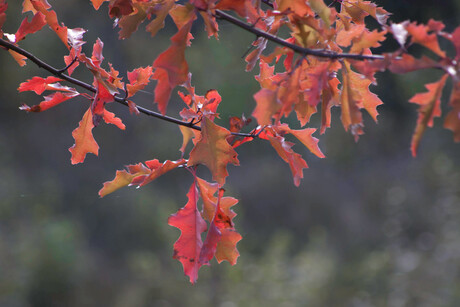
(369, 225)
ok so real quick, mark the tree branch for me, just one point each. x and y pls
(298, 49)
(60, 73)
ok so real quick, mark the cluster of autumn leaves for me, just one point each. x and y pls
(340, 40)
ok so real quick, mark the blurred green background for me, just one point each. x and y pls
(368, 226)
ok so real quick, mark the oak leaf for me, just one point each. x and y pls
(187, 248)
(295, 161)
(84, 140)
(213, 150)
(430, 107)
(26, 27)
(171, 66)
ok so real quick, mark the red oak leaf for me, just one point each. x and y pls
(221, 238)
(51, 19)
(161, 10)
(419, 34)
(187, 135)
(316, 79)
(369, 101)
(123, 178)
(267, 106)
(295, 161)
(219, 221)
(298, 7)
(139, 174)
(110, 118)
(100, 99)
(305, 137)
(407, 63)
(84, 140)
(171, 66)
(226, 247)
(50, 101)
(331, 97)
(37, 22)
(213, 150)
(37, 84)
(187, 248)
(138, 79)
(359, 9)
(207, 192)
(430, 107)
(351, 102)
(243, 8)
(97, 3)
(68, 59)
(157, 169)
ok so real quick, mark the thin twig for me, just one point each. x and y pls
(60, 73)
(298, 49)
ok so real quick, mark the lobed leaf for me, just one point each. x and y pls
(430, 107)
(171, 66)
(84, 140)
(213, 150)
(187, 248)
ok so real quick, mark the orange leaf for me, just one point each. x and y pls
(122, 179)
(207, 191)
(370, 101)
(351, 102)
(267, 106)
(430, 107)
(110, 118)
(213, 150)
(226, 247)
(187, 248)
(420, 36)
(187, 135)
(84, 140)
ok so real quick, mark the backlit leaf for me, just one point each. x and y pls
(187, 248)
(213, 150)
(171, 66)
(84, 140)
(430, 107)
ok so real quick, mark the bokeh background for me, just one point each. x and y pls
(368, 226)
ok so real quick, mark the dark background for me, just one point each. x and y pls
(368, 226)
